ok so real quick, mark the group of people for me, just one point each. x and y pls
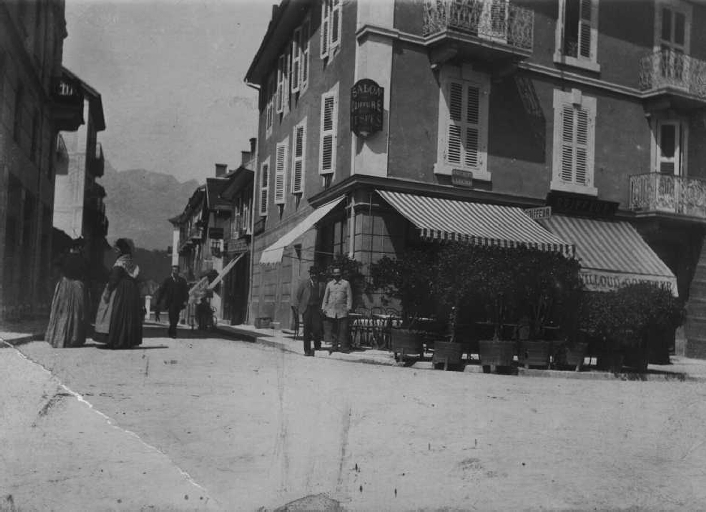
(118, 323)
(323, 304)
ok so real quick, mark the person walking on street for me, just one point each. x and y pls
(172, 295)
(307, 302)
(337, 303)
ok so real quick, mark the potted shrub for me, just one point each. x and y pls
(448, 352)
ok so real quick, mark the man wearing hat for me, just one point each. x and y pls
(337, 303)
(307, 302)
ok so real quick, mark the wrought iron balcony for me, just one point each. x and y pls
(493, 24)
(67, 103)
(673, 73)
(656, 193)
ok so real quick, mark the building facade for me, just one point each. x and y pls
(385, 121)
(36, 102)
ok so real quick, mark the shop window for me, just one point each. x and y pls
(574, 140)
(577, 34)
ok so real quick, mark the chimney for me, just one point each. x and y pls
(253, 145)
(244, 158)
(274, 11)
(221, 170)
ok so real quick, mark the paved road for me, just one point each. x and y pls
(238, 426)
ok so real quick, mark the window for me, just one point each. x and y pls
(296, 60)
(329, 131)
(304, 58)
(669, 149)
(298, 157)
(330, 35)
(672, 36)
(463, 123)
(281, 171)
(270, 109)
(574, 139)
(282, 82)
(264, 186)
(577, 34)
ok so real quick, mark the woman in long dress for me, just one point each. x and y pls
(119, 317)
(68, 317)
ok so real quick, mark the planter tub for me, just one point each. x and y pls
(447, 352)
(404, 343)
(496, 353)
(572, 355)
(535, 353)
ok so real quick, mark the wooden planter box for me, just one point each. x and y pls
(535, 353)
(571, 355)
(496, 353)
(404, 342)
(447, 352)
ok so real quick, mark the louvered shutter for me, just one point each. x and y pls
(325, 27)
(280, 84)
(270, 100)
(298, 158)
(280, 172)
(296, 60)
(264, 187)
(585, 29)
(304, 44)
(328, 133)
(575, 145)
(462, 142)
(335, 26)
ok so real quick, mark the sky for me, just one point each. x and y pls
(171, 76)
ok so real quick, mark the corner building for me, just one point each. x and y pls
(594, 108)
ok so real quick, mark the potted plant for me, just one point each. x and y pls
(448, 352)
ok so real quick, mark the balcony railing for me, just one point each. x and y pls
(665, 193)
(670, 69)
(494, 20)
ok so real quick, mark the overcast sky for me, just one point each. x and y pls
(170, 74)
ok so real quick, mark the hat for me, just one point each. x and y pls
(313, 270)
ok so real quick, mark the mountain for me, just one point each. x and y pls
(138, 204)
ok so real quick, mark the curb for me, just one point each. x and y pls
(22, 340)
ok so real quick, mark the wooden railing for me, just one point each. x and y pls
(667, 68)
(655, 192)
(494, 20)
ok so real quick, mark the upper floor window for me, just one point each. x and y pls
(281, 154)
(669, 146)
(270, 108)
(574, 141)
(282, 98)
(329, 131)
(300, 58)
(463, 122)
(264, 186)
(330, 35)
(299, 157)
(577, 34)
(672, 38)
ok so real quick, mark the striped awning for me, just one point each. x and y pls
(475, 223)
(273, 254)
(612, 254)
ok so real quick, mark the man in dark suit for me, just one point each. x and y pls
(307, 302)
(172, 296)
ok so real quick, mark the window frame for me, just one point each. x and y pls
(590, 63)
(331, 12)
(681, 145)
(589, 104)
(678, 6)
(467, 77)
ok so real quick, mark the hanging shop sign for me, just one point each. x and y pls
(366, 107)
(543, 212)
(461, 178)
(580, 205)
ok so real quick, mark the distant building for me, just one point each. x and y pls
(389, 123)
(36, 102)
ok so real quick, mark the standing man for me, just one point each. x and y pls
(173, 295)
(307, 302)
(338, 301)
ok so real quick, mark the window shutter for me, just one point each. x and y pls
(335, 24)
(585, 29)
(581, 146)
(280, 84)
(575, 145)
(328, 133)
(298, 158)
(296, 60)
(280, 172)
(264, 187)
(453, 148)
(567, 143)
(270, 100)
(472, 126)
(325, 27)
(463, 135)
(304, 44)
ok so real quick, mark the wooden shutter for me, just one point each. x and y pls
(280, 172)
(463, 135)
(298, 158)
(325, 28)
(575, 144)
(296, 60)
(585, 18)
(335, 26)
(270, 100)
(328, 133)
(264, 188)
(304, 45)
(280, 84)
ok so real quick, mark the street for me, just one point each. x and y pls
(222, 424)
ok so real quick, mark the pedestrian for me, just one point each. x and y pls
(68, 319)
(337, 303)
(119, 317)
(172, 296)
(307, 303)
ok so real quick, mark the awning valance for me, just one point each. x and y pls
(612, 254)
(273, 254)
(222, 274)
(476, 223)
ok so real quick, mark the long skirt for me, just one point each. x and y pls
(103, 315)
(126, 317)
(68, 317)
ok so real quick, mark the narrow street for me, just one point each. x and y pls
(223, 424)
